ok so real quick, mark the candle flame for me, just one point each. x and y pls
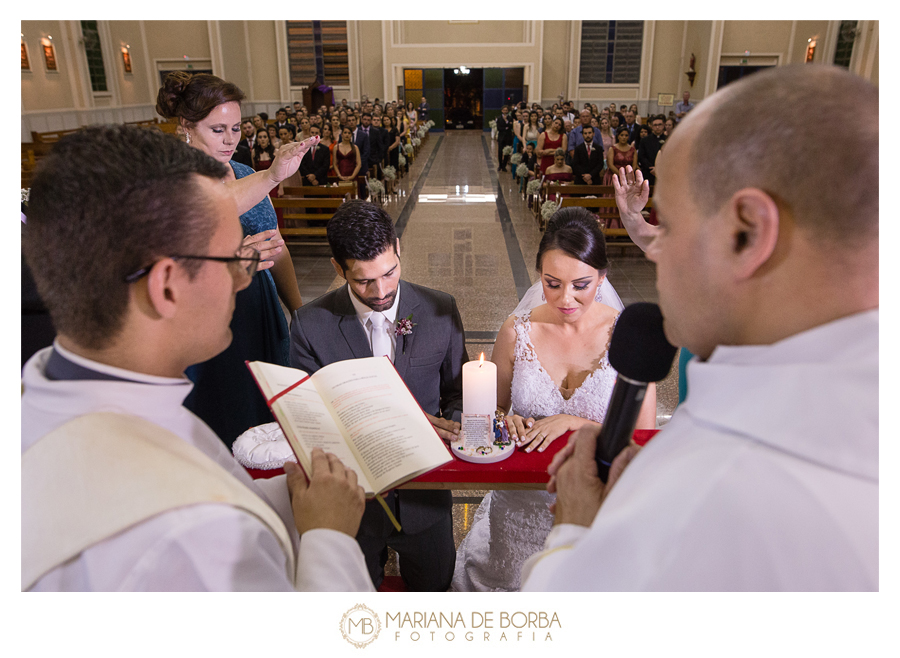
(481, 360)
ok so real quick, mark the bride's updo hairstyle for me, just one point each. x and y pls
(193, 96)
(576, 233)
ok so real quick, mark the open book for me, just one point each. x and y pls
(359, 410)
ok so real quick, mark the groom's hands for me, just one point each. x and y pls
(447, 429)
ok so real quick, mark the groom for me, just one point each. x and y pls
(359, 320)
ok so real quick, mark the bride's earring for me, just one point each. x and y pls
(542, 295)
(599, 296)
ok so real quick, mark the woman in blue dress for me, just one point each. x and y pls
(225, 395)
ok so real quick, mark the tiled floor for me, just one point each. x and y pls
(465, 229)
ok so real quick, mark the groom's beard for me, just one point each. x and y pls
(378, 304)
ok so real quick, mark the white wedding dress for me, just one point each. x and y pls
(510, 526)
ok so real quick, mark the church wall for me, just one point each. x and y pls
(804, 31)
(236, 58)
(756, 37)
(42, 89)
(476, 32)
(555, 64)
(667, 67)
(371, 58)
(697, 41)
(263, 62)
(134, 87)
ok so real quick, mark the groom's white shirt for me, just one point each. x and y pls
(363, 312)
(765, 479)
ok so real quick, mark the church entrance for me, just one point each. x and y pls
(463, 99)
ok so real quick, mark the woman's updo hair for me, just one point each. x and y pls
(559, 153)
(193, 96)
(576, 233)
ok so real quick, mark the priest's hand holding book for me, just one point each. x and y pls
(330, 499)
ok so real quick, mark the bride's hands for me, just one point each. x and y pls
(540, 433)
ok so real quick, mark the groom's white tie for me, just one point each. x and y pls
(381, 341)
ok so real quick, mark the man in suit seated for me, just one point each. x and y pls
(358, 320)
(587, 160)
(361, 139)
(314, 165)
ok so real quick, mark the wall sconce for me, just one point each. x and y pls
(126, 58)
(26, 61)
(691, 73)
(49, 53)
(811, 48)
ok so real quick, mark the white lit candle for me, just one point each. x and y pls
(479, 387)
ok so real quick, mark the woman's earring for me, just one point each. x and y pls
(187, 138)
(599, 296)
(542, 296)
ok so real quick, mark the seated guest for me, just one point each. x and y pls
(258, 122)
(286, 134)
(559, 171)
(357, 320)
(670, 126)
(161, 504)
(766, 477)
(315, 164)
(587, 160)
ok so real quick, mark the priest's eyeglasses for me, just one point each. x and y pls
(246, 259)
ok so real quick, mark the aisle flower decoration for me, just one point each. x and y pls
(548, 209)
(26, 192)
(375, 187)
(522, 170)
(492, 124)
(408, 148)
(416, 141)
(533, 187)
(507, 150)
(515, 158)
(390, 173)
(401, 160)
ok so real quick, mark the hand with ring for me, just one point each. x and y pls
(546, 430)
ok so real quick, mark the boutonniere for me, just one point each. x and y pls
(404, 328)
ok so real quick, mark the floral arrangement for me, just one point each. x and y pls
(492, 123)
(26, 192)
(408, 148)
(390, 173)
(507, 150)
(428, 124)
(375, 187)
(401, 160)
(422, 132)
(515, 158)
(416, 141)
(522, 170)
(548, 209)
(533, 186)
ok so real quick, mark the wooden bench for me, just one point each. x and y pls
(297, 203)
(51, 136)
(605, 209)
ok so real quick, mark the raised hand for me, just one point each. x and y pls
(288, 157)
(632, 191)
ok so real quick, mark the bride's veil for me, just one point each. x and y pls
(533, 297)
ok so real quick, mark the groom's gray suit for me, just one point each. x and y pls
(430, 362)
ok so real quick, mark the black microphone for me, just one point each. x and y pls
(640, 354)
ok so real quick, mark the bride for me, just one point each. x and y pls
(553, 376)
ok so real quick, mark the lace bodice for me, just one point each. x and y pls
(535, 395)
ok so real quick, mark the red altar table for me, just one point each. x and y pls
(524, 470)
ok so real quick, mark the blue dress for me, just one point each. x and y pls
(225, 395)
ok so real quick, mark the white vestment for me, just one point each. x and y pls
(198, 547)
(765, 479)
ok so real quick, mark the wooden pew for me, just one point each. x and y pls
(605, 209)
(302, 226)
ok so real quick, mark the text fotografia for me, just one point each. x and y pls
(479, 626)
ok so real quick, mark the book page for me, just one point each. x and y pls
(382, 419)
(306, 420)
